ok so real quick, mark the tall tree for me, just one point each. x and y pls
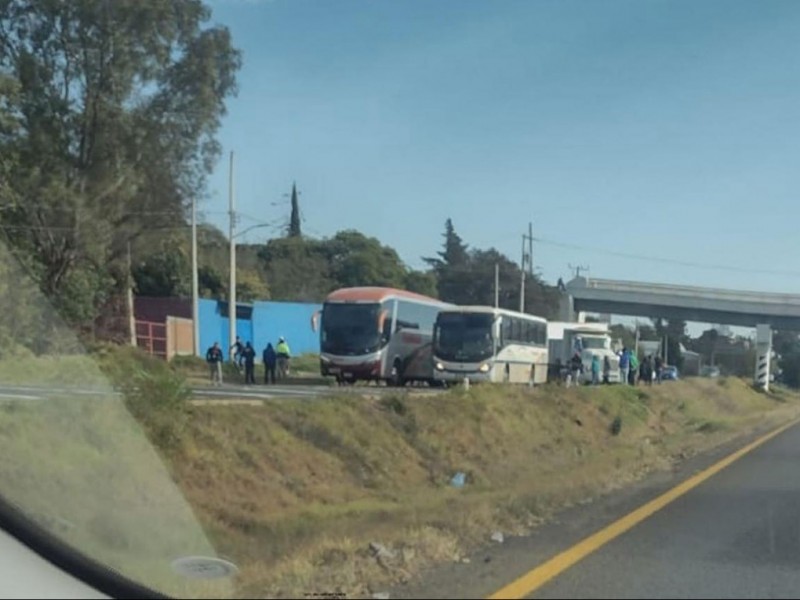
(294, 219)
(451, 265)
(116, 105)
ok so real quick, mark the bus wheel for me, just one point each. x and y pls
(396, 377)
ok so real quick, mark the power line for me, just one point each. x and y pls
(671, 261)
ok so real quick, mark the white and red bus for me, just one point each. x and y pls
(378, 334)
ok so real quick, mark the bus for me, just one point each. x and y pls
(481, 343)
(377, 334)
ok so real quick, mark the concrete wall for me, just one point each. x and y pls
(269, 321)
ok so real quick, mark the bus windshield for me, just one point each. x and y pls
(463, 337)
(350, 329)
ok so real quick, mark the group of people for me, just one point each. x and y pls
(631, 371)
(244, 356)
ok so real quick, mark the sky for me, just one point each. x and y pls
(651, 141)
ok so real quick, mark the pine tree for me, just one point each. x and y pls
(294, 220)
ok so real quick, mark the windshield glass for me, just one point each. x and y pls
(463, 337)
(350, 329)
(595, 342)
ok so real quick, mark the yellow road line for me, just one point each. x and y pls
(536, 578)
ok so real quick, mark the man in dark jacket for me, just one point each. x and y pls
(270, 361)
(249, 357)
(214, 360)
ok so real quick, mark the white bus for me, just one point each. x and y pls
(489, 344)
(379, 334)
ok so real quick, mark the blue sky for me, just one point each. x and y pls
(661, 129)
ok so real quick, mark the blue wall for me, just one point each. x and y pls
(270, 320)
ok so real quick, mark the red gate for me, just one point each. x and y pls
(152, 337)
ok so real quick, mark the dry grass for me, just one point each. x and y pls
(297, 490)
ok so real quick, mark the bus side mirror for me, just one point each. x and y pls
(315, 321)
(384, 314)
(496, 330)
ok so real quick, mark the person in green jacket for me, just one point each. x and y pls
(284, 354)
(634, 372)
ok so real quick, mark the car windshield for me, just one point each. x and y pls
(463, 337)
(291, 294)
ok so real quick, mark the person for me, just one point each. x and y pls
(646, 370)
(624, 365)
(214, 360)
(659, 367)
(595, 370)
(606, 370)
(284, 354)
(575, 368)
(634, 368)
(270, 359)
(237, 350)
(249, 357)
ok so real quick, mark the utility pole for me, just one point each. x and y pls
(530, 249)
(526, 258)
(195, 283)
(129, 300)
(578, 269)
(497, 285)
(232, 281)
(522, 279)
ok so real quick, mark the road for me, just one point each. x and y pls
(735, 535)
(227, 391)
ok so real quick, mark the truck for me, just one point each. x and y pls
(590, 339)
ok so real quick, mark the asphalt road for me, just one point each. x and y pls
(736, 535)
(226, 391)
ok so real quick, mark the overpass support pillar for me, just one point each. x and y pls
(763, 356)
(566, 308)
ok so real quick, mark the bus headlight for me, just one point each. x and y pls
(484, 368)
(439, 366)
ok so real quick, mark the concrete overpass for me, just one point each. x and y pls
(764, 311)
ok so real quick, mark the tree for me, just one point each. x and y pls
(165, 273)
(451, 265)
(421, 282)
(115, 107)
(296, 269)
(294, 219)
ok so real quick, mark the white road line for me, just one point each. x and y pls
(19, 396)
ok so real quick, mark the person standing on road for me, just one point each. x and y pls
(214, 360)
(237, 349)
(270, 360)
(606, 370)
(624, 365)
(249, 356)
(595, 370)
(646, 370)
(284, 354)
(575, 368)
(659, 367)
(633, 373)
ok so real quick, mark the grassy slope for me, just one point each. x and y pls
(296, 490)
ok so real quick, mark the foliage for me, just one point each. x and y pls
(294, 219)
(107, 130)
(467, 277)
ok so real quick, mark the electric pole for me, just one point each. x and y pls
(527, 258)
(195, 283)
(232, 280)
(578, 269)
